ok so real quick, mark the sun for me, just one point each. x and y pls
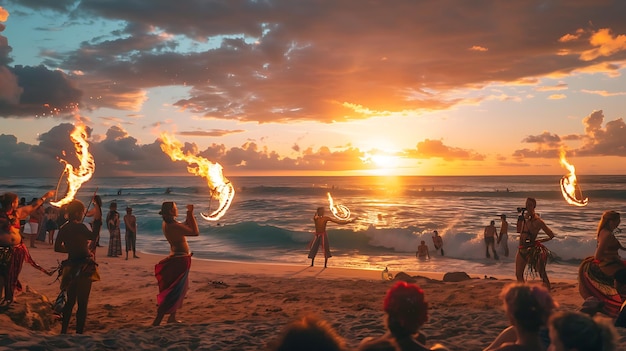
(385, 161)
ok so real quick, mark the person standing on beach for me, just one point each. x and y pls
(115, 237)
(422, 251)
(172, 272)
(130, 236)
(438, 242)
(13, 252)
(96, 224)
(79, 270)
(531, 251)
(321, 238)
(503, 239)
(491, 233)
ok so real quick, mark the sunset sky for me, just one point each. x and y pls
(325, 87)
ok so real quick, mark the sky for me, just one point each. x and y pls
(315, 87)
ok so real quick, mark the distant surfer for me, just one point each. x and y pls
(321, 238)
(168, 190)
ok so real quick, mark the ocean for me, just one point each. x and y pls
(270, 219)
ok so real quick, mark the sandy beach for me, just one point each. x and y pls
(242, 306)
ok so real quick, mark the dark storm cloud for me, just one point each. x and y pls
(41, 92)
(596, 140)
(286, 60)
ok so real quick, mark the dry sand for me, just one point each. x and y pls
(242, 306)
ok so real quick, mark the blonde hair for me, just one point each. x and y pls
(606, 217)
(530, 305)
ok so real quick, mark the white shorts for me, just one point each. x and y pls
(31, 228)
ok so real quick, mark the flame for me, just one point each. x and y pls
(339, 211)
(221, 188)
(77, 176)
(569, 185)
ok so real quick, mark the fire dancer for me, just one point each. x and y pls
(172, 273)
(321, 238)
(13, 252)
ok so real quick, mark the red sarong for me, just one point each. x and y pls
(593, 282)
(19, 254)
(172, 273)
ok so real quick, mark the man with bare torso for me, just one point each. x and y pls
(321, 238)
(491, 234)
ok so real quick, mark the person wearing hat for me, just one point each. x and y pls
(504, 235)
(131, 232)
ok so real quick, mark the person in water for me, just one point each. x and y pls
(172, 272)
(438, 241)
(321, 237)
(531, 251)
(422, 251)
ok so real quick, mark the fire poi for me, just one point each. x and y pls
(339, 211)
(569, 185)
(221, 188)
(77, 176)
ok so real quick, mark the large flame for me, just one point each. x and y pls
(569, 185)
(339, 211)
(221, 188)
(77, 176)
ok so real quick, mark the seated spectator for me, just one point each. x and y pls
(528, 308)
(405, 312)
(575, 331)
(308, 334)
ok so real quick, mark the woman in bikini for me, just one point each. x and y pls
(531, 251)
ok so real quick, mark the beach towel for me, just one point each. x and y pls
(172, 274)
(592, 282)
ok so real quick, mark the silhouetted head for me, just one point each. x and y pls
(406, 309)
(75, 210)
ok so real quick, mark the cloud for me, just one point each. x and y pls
(596, 140)
(605, 43)
(271, 61)
(599, 141)
(41, 92)
(210, 133)
(436, 149)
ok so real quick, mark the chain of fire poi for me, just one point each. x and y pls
(221, 188)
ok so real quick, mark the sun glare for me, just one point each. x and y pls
(385, 161)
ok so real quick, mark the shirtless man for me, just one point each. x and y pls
(503, 239)
(130, 223)
(528, 225)
(321, 238)
(438, 241)
(172, 272)
(491, 233)
(422, 251)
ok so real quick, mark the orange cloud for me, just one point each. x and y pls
(606, 45)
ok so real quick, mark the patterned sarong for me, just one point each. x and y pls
(172, 274)
(13, 258)
(592, 282)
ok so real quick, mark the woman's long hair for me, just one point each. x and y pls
(6, 201)
(607, 216)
